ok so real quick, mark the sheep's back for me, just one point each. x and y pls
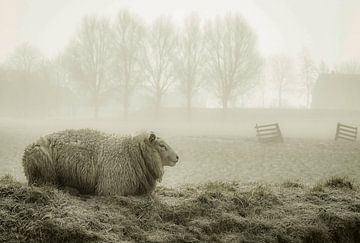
(76, 158)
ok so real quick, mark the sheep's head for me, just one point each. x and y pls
(167, 154)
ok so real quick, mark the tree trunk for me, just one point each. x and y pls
(157, 104)
(96, 111)
(308, 99)
(96, 106)
(188, 106)
(225, 102)
(280, 98)
(126, 106)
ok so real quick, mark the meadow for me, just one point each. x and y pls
(209, 152)
(226, 187)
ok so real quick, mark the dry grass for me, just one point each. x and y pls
(339, 182)
(218, 212)
(308, 204)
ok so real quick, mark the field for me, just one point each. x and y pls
(211, 152)
(225, 187)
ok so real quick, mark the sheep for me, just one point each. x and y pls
(94, 162)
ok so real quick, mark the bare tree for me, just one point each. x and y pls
(323, 68)
(160, 51)
(262, 85)
(281, 68)
(30, 91)
(3, 87)
(190, 58)
(25, 58)
(308, 72)
(2, 73)
(26, 65)
(59, 74)
(129, 41)
(89, 58)
(233, 60)
(349, 67)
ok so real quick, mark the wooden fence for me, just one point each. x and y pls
(346, 132)
(269, 133)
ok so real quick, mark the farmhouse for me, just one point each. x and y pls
(337, 91)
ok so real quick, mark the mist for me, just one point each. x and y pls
(258, 101)
(125, 64)
(181, 70)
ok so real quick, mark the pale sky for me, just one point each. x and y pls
(330, 29)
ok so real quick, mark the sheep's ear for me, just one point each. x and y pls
(152, 137)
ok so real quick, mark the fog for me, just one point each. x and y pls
(193, 64)
(167, 121)
(188, 67)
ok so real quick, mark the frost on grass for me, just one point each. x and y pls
(31, 214)
(214, 212)
(339, 182)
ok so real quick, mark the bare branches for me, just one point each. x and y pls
(129, 48)
(159, 58)
(190, 58)
(90, 57)
(349, 67)
(103, 58)
(308, 74)
(233, 60)
(281, 74)
(25, 58)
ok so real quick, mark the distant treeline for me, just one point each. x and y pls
(127, 61)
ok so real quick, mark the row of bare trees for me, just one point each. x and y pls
(221, 54)
(283, 73)
(107, 58)
(118, 58)
(23, 79)
(301, 73)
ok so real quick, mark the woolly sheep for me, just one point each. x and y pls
(97, 163)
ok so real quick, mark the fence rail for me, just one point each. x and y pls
(269, 133)
(345, 132)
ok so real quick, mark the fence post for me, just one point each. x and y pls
(279, 133)
(337, 131)
(356, 130)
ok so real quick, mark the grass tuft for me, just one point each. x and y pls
(214, 212)
(339, 182)
(318, 187)
(292, 184)
(7, 179)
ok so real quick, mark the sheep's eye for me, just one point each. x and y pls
(163, 146)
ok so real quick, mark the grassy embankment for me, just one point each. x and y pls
(290, 212)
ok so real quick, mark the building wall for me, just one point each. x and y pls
(337, 91)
